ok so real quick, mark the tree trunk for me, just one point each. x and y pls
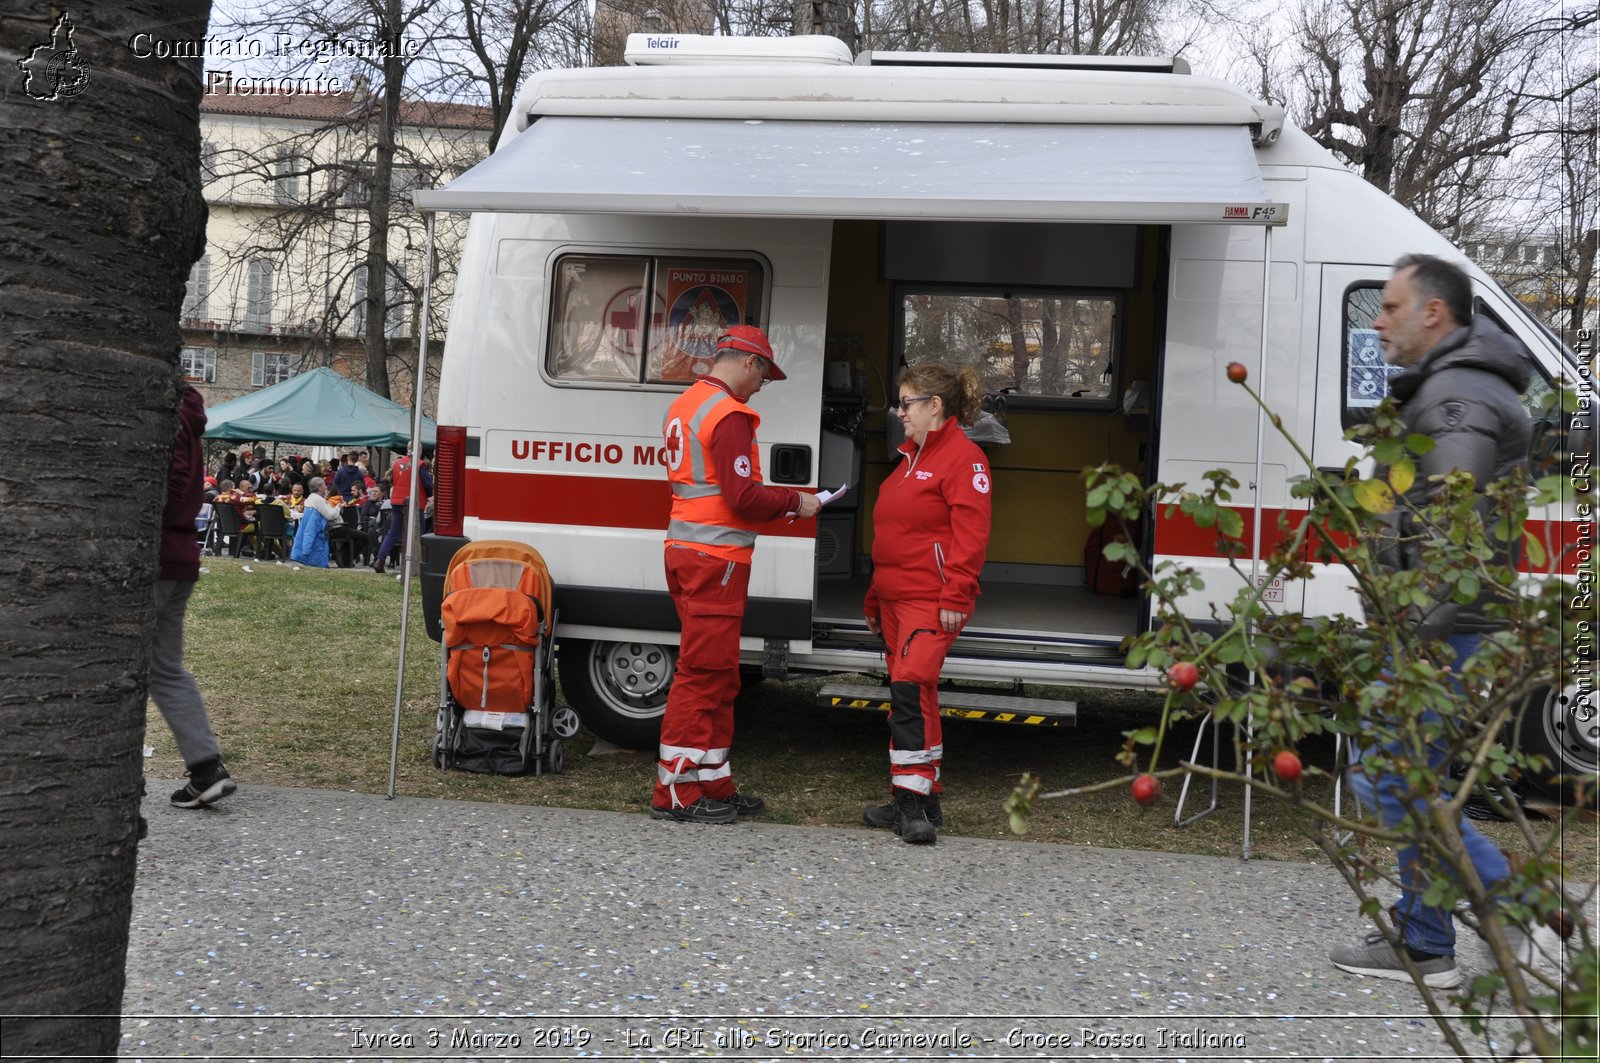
(100, 220)
(381, 203)
(1019, 343)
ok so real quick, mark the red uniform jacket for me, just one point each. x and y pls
(930, 526)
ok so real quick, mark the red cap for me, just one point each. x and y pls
(751, 340)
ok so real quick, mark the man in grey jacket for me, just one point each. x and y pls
(1461, 386)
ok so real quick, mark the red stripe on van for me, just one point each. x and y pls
(1179, 536)
(584, 501)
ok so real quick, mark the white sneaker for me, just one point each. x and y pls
(1536, 947)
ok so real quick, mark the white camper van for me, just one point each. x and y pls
(1103, 234)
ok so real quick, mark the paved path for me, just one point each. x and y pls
(302, 924)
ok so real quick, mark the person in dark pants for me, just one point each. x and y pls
(172, 687)
(399, 497)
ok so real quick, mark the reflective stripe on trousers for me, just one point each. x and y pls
(697, 727)
(915, 649)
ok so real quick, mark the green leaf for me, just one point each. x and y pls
(1418, 443)
(1535, 548)
(1144, 736)
(1230, 523)
(1374, 496)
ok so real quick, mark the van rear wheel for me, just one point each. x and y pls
(1562, 727)
(619, 688)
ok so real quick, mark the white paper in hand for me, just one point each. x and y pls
(828, 496)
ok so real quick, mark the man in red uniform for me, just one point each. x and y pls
(399, 495)
(718, 505)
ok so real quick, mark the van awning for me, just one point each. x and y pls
(1132, 174)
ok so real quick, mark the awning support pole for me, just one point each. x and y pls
(413, 510)
(1261, 442)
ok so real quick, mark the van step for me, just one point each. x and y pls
(959, 704)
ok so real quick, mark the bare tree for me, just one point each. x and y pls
(416, 67)
(100, 218)
(1425, 98)
(1071, 27)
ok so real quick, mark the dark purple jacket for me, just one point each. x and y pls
(186, 485)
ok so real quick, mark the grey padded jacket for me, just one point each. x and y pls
(1465, 395)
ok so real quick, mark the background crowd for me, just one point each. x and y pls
(354, 500)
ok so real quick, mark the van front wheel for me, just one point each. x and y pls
(619, 688)
(1561, 726)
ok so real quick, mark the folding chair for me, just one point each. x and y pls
(272, 531)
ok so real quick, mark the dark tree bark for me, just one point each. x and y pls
(100, 220)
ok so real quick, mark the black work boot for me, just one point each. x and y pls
(911, 818)
(884, 817)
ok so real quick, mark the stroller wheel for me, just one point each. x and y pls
(555, 756)
(564, 722)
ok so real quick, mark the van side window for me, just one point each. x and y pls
(1365, 373)
(1047, 349)
(1362, 368)
(646, 318)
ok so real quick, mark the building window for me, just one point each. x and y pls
(396, 301)
(358, 302)
(1049, 349)
(406, 179)
(200, 365)
(286, 179)
(208, 161)
(272, 367)
(640, 318)
(258, 294)
(197, 291)
(357, 187)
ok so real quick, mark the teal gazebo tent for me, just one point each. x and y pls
(318, 407)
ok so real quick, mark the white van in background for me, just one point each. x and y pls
(1124, 227)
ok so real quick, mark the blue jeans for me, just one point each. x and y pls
(1427, 929)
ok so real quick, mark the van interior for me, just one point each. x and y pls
(1064, 324)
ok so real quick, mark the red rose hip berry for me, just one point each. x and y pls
(1561, 923)
(1147, 789)
(1237, 372)
(1183, 675)
(1286, 766)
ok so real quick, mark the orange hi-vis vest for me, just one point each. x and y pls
(701, 518)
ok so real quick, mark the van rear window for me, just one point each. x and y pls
(1046, 349)
(649, 319)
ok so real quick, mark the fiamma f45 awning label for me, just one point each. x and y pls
(570, 454)
(1257, 213)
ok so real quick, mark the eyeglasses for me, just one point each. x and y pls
(766, 370)
(906, 404)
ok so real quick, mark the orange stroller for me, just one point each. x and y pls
(497, 712)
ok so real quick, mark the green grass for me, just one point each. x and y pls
(298, 668)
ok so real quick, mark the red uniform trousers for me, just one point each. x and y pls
(915, 652)
(697, 728)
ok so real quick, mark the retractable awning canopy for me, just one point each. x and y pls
(960, 171)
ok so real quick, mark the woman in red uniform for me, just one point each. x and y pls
(930, 533)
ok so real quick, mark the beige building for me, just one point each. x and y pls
(280, 287)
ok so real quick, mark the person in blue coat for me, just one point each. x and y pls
(311, 536)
